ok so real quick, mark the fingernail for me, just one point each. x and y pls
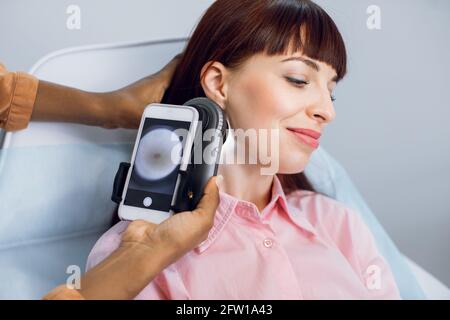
(219, 180)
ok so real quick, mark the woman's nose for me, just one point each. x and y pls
(322, 110)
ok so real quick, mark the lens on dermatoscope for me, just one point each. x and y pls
(158, 155)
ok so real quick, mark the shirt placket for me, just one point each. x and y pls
(272, 249)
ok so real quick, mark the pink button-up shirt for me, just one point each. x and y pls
(301, 246)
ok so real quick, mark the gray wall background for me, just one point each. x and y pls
(392, 130)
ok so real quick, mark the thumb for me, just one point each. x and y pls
(210, 200)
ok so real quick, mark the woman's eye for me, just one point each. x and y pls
(302, 83)
(297, 82)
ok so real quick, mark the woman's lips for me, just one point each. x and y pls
(307, 136)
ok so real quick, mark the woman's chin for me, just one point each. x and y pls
(292, 164)
(292, 168)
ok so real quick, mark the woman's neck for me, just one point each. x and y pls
(245, 182)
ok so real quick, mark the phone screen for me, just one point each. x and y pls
(158, 158)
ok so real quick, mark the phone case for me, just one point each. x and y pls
(192, 181)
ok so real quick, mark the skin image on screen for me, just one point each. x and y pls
(157, 161)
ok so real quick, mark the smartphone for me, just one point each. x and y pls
(161, 152)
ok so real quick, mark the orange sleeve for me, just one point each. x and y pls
(63, 293)
(17, 95)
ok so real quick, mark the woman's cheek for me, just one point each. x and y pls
(251, 106)
(283, 101)
(258, 101)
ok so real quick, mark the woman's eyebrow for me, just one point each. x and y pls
(310, 64)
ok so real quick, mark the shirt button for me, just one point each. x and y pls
(268, 243)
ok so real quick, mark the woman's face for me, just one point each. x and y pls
(285, 92)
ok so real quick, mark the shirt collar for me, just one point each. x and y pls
(230, 205)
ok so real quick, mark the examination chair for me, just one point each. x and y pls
(56, 180)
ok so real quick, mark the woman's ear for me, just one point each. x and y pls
(214, 77)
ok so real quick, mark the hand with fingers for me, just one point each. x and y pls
(180, 233)
(131, 100)
(145, 250)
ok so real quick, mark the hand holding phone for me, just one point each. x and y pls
(180, 233)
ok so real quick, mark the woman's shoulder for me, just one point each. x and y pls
(327, 215)
(318, 204)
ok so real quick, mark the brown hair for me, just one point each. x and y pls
(231, 31)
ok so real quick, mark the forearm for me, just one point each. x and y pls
(125, 273)
(22, 96)
(64, 104)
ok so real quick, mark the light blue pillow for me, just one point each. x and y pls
(330, 178)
